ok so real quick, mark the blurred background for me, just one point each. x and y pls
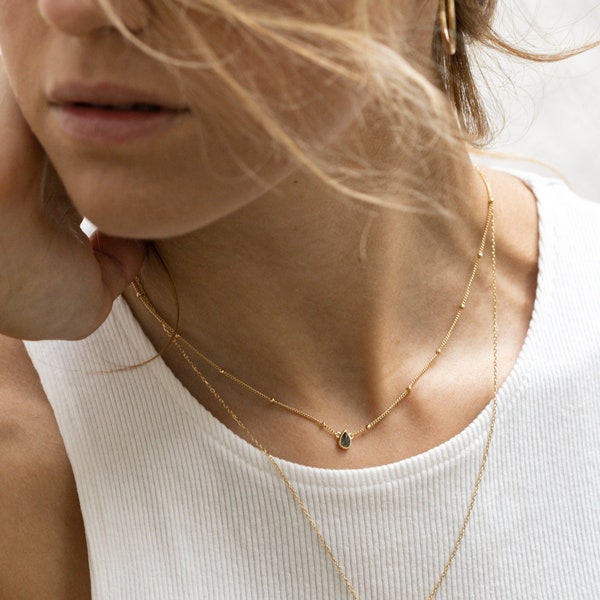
(550, 111)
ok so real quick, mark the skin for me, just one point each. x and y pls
(328, 303)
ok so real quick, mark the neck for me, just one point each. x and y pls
(333, 307)
(302, 293)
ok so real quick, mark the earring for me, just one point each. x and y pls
(447, 19)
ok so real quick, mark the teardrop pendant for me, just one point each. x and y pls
(345, 440)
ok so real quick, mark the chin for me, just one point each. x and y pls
(136, 223)
(127, 200)
(145, 216)
(122, 215)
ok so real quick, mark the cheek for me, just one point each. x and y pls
(20, 38)
(283, 92)
(11, 12)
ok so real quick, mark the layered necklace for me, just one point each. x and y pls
(344, 438)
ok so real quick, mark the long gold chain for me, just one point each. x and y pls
(179, 343)
(344, 437)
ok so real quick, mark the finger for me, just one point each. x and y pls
(120, 261)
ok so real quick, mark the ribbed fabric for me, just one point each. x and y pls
(177, 506)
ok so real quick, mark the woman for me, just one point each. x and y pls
(349, 293)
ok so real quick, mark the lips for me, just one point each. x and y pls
(110, 95)
(112, 114)
(138, 107)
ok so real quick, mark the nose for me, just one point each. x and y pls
(82, 18)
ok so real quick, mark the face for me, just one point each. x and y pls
(146, 150)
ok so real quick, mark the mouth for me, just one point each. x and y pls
(135, 107)
(106, 114)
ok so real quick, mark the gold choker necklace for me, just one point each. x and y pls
(344, 437)
(179, 343)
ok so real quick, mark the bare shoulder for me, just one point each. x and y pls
(42, 546)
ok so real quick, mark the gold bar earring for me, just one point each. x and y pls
(447, 18)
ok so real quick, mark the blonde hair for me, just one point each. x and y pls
(366, 52)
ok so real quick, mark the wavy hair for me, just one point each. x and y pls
(365, 46)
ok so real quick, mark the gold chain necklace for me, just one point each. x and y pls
(178, 341)
(344, 437)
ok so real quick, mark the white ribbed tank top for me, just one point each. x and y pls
(177, 506)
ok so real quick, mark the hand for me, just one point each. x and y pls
(54, 282)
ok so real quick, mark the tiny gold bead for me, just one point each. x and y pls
(463, 305)
(438, 351)
(409, 388)
(272, 400)
(480, 254)
(369, 427)
(222, 371)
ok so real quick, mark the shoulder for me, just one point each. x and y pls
(565, 324)
(39, 513)
(569, 245)
(561, 208)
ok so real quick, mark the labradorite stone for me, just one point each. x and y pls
(345, 440)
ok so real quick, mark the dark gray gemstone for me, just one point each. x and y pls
(344, 440)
